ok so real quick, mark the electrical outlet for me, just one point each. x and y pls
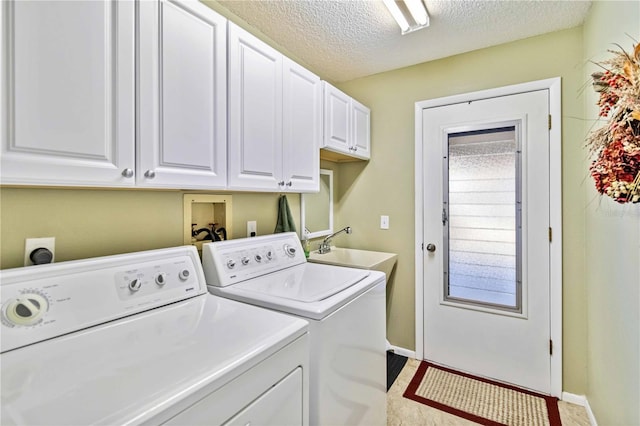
(384, 222)
(32, 244)
(252, 228)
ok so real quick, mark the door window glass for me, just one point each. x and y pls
(481, 218)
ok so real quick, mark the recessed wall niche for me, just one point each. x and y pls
(207, 218)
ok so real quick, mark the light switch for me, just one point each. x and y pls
(384, 222)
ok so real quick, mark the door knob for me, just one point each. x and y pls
(431, 247)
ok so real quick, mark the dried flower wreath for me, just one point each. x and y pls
(616, 145)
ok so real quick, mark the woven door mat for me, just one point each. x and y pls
(480, 400)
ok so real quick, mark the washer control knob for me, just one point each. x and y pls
(258, 258)
(184, 275)
(289, 250)
(245, 260)
(161, 279)
(27, 309)
(269, 255)
(135, 284)
(231, 264)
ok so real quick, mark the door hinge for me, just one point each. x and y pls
(550, 347)
(550, 234)
(549, 121)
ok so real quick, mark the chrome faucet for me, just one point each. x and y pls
(324, 245)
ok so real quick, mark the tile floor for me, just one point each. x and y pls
(403, 411)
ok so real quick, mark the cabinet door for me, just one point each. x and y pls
(361, 128)
(302, 129)
(255, 113)
(337, 111)
(67, 91)
(182, 95)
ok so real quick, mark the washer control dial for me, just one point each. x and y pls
(184, 275)
(258, 258)
(161, 279)
(231, 264)
(289, 250)
(28, 309)
(269, 255)
(245, 260)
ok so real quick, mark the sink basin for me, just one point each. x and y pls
(362, 259)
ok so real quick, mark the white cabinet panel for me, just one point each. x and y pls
(182, 95)
(255, 113)
(67, 92)
(347, 126)
(302, 117)
(361, 127)
(337, 119)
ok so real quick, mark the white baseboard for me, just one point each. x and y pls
(583, 401)
(402, 351)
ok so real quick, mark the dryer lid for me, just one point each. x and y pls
(305, 283)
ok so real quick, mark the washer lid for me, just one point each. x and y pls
(305, 283)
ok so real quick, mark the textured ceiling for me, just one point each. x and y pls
(346, 39)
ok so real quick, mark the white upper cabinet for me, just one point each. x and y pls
(255, 112)
(274, 119)
(361, 130)
(181, 96)
(67, 93)
(302, 128)
(337, 117)
(347, 126)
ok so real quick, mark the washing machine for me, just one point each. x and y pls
(345, 308)
(137, 339)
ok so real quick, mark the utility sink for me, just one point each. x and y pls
(362, 259)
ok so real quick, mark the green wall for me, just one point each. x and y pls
(95, 222)
(612, 249)
(386, 184)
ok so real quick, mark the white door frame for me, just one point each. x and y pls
(555, 213)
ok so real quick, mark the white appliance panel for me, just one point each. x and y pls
(305, 283)
(148, 342)
(349, 366)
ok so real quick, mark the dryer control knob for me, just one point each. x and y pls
(231, 264)
(135, 284)
(245, 260)
(27, 309)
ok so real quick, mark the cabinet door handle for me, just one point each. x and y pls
(128, 173)
(150, 174)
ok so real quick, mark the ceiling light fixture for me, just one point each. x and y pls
(411, 15)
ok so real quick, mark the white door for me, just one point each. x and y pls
(486, 237)
(182, 86)
(302, 121)
(67, 90)
(255, 113)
